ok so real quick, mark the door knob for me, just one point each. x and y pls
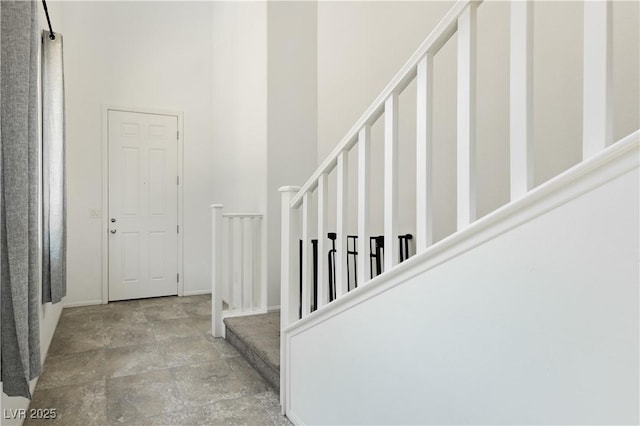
(113, 231)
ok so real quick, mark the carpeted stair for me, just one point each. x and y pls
(257, 338)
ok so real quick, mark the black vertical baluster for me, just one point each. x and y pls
(314, 306)
(379, 253)
(404, 246)
(300, 306)
(372, 255)
(332, 267)
(352, 252)
(403, 242)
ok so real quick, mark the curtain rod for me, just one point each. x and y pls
(52, 36)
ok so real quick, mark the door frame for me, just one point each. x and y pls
(105, 190)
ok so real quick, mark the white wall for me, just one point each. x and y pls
(264, 113)
(239, 105)
(292, 106)
(49, 313)
(146, 55)
(537, 325)
(240, 109)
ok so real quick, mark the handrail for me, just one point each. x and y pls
(432, 44)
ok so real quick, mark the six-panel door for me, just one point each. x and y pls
(143, 205)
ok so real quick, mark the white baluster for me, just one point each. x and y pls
(424, 154)
(341, 224)
(216, 270)
(247, 264)
(322, 240)
(364, 167)
(521, 98)
(264, 276)
(226, 279)
(255, 262)
(232, 268)
(240, 261)
(466, 116)
(390, 181)
(597, 95)
(307, 255)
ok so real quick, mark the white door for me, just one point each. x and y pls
(143, 205)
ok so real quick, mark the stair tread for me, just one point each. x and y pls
(261, 334)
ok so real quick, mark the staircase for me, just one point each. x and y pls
(524, 315)
(527, 314)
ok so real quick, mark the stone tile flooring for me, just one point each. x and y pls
(149, 362)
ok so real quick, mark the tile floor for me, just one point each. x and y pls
(149, 362)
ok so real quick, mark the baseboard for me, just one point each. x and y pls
(293, 418)
(273, 308)
(82, 303)
(196, 292)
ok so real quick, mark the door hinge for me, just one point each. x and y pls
(177, 134)
(178, 277)
(177, 229)
(177, 180)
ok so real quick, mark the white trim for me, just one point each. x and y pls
(521, 98)
(390, 182)
(322, 194)
(307, 257)
(196, 292)
(363, 212)
(597, 77)
(241, 313)
(424, 155)
(466, 118)
(342, 206)
(82, 303)
(274, 308)
(293, 418)
(105, 192)
(610, 163)
(105, 205)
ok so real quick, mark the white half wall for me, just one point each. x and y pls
(536, 325)
(155, 55)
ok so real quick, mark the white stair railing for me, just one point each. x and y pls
(460, 19)
(238, 259)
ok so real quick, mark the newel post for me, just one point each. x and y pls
(289, 286)
(216, 270)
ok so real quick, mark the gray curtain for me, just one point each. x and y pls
(54, 230)
(19, 182)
